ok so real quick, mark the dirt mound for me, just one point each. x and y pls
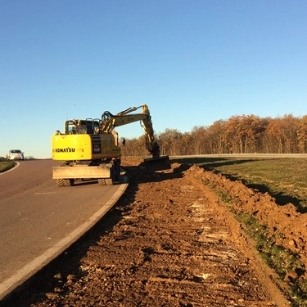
(284, 223)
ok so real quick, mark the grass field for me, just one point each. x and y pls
(283, 178)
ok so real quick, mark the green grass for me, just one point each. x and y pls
(6, 165)
(279, 258)
(283, 178)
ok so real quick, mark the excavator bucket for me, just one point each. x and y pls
(158, 163)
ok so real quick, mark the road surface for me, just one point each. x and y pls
(38, 220)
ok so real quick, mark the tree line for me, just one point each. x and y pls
(238, 134)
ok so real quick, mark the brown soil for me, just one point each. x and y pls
(170, 241)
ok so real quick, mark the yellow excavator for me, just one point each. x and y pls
(90, 148)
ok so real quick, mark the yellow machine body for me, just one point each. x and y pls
(78, 147)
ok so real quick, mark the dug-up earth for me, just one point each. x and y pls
(170, 241)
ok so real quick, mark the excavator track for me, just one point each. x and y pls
(105, 181)
(64, 182)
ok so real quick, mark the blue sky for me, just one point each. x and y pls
(193, 62)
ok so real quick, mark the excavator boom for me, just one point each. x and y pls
(110, 122)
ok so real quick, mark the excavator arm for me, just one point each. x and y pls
(110, 121)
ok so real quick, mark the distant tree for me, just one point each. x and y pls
(290, 127)
(170, 141)
(187, 146)
(216, 138)
(199, 141)
(233, 137)
(275, 140)
(251, 132)
(302, 135)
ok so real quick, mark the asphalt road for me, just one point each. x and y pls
(39, 220)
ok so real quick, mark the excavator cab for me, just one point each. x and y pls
(80, 126)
